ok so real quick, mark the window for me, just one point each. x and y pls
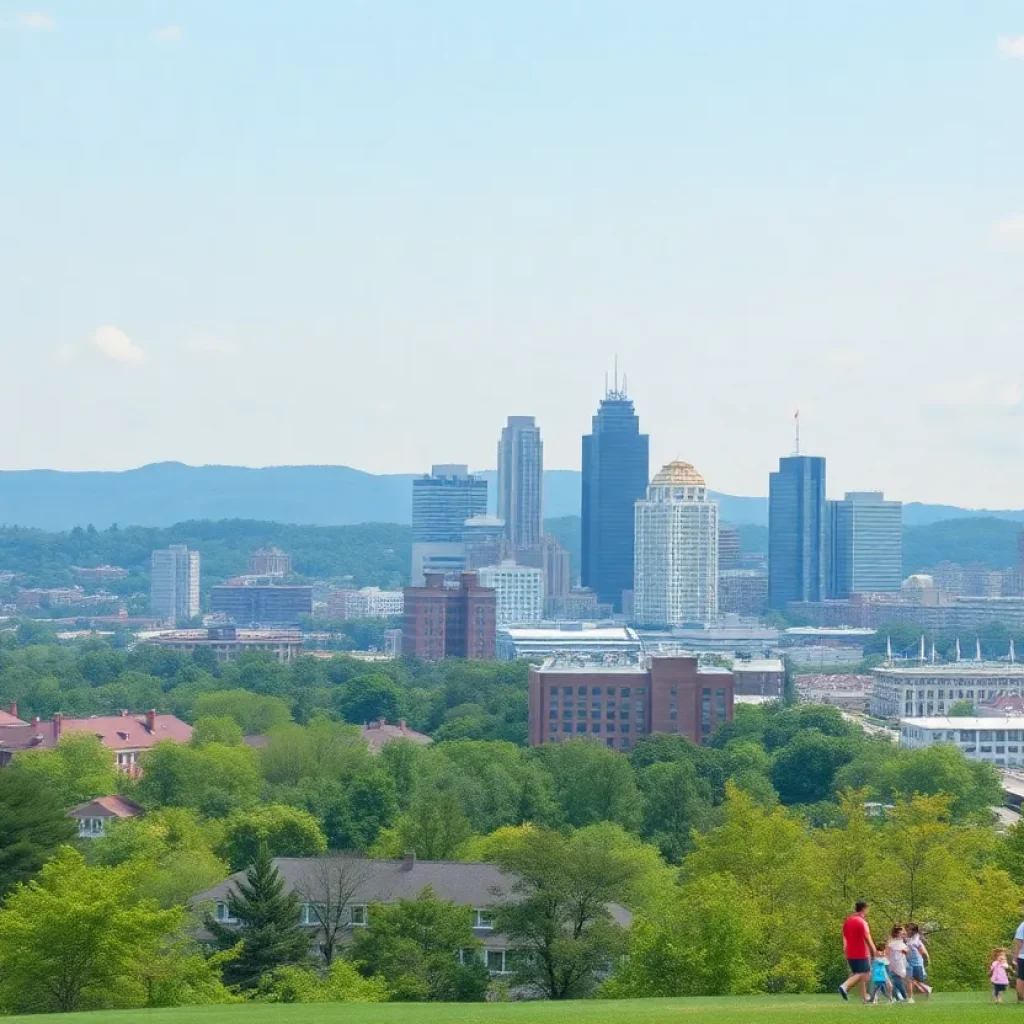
(624, 692)
(496, 961)
(482, 919)
(357, 914)
(224, 915)
(91, 827)
(596, 727)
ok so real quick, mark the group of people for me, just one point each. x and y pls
(895, 970)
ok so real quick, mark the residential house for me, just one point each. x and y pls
(380, 733)
(364, 882)
(125, 735)
(94, 816)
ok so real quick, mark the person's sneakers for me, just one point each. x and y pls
(911, 999)
(842, 992)
(927, 989)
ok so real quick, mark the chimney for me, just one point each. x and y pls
(151, 720)
(58, 721)
(124, 712)
(14, 708)
(409, 861)
(401, 724)
(35, 720)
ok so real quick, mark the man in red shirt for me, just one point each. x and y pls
(859, 948)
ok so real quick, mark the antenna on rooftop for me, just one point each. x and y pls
(958, 648)
(977, 649)
(616, 373)
(796, 421)
(1013, 653)
(921, 655)
(888, 650)
(933, 650)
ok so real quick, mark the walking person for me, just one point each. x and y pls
(896, 950)
(1018, 956)
(859, 948)
(917, 957)
(880, 981)
(997, 974)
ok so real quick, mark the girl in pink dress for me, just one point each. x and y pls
(998, 975)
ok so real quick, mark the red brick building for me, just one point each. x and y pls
(441, 621)
(619, 704)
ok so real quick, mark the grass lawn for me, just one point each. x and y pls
(961, 1008)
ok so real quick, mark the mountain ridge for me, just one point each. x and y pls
(164, 493)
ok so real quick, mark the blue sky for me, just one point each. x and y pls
(365, 232)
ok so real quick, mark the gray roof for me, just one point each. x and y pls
(384, 881)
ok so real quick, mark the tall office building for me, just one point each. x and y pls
(441, 504)
(174, 584)
(730, 549)
(676, 579)
(521, 481)
(518, 592)
(797, 555)
(865, 544)
(442, 621)
(615, 475)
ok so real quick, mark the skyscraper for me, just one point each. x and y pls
(174, 583)
(521, 481)
(796, 531)
(615, 475)
(441, 504)
(676, 579)
(865, 534)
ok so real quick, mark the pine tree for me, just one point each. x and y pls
(268, 925)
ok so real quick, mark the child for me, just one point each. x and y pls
(917, 957)
(896, 950)
(998, 975)
(880, 977)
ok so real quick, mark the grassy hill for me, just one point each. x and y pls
(961, 1008)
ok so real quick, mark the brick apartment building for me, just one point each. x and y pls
(442, 621)
(622, 703)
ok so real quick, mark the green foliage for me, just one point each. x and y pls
(254, 713)
(556, 913)
(341, 983)
(412, 944)
(33, 824)
(212, 779)
(268, 926)
(80, 938)
(283, 831)
(961, 709)
(216, 729)
(78, 769)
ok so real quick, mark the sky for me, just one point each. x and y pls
(364, 232)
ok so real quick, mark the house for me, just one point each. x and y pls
(379, 733)
(10, 717)
(363, 882)
(94, 816)
(125, 735)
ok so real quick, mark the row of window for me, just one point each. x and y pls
(312, 914)
(597, 691)
(623, 727)
(569, 714)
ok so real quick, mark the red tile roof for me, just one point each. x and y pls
(379, 733)
(115, 732)
(107, 807)
(6, 718)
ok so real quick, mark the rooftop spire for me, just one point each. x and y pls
(796, 423)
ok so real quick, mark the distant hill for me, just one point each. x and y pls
(165, 493)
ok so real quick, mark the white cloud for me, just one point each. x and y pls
(211, 345)
(1011, 46)
(37, 21)
(1009, 231)
(169, 34)
(116, 345)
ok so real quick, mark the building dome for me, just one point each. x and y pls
(677, 474)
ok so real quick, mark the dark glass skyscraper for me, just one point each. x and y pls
(797, 555)
(615, 476)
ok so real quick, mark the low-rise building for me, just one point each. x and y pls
(99, 573)
(849, 691)
(763, 677)
(380, 733)
(592, 640)
(478, 887)
(921, 689)
(617, 704)
(126, 735)
(227, 642)
(997, 741)
(368, 603)
(743, 638)
(266, 605)
(94, 817)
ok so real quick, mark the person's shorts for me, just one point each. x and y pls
(998, 989)
(1020, 967)
(918, 973)
(859, 966)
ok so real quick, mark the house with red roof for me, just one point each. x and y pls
(95, 816)
(125, 735)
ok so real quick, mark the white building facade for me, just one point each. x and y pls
(174, 584)
(998, 741)
(923, 690)
(372, 603)
(676, 561)
(518, 592)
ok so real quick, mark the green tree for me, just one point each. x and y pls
(592, 784)
(284, 831)
(79, 938)
(268, 926)
(803, 771)
(961, 709)
(33, 824)
(369, 697)
(676, 801)
(216, 729)
(78, 769)
(320, 750)
(213, 779)
(256, 714)
(414, 945)
(341, 983)
(557, 913)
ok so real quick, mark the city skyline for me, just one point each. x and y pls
(374, 205)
